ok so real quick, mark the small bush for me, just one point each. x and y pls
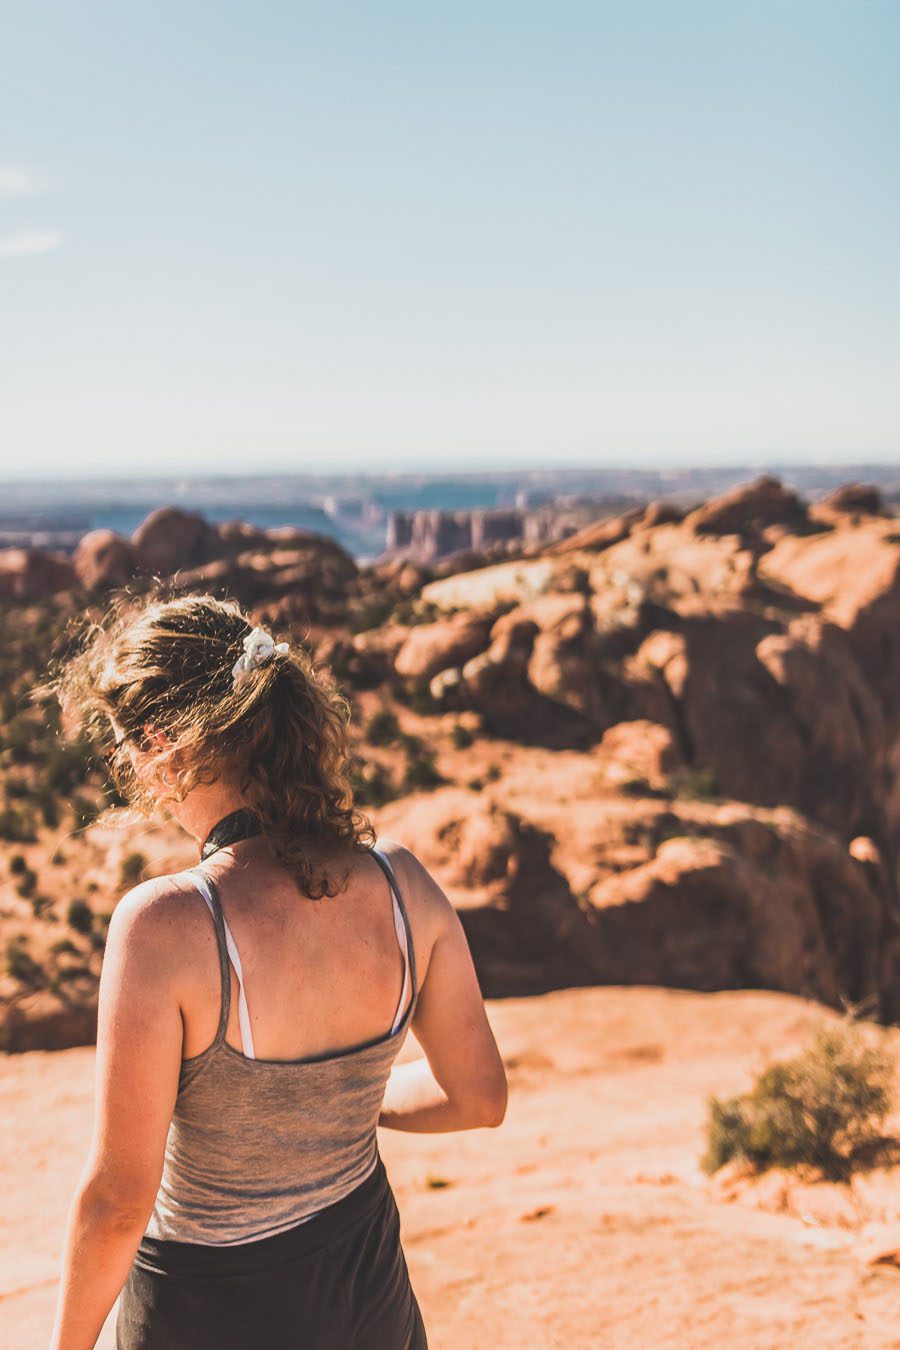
(27, 884)
(696, 784)
(371, 614)
(48, 805)
(422, 700)
(18, 864)
(825, 1108)
(80, 916)
(420, 771)
(41, 905)
(462, 736)
(16, 826)
(20, 964)
(382, 727)
(132, 869)
(84, 812)
(372, 784)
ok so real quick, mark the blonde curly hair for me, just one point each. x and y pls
(280, 734)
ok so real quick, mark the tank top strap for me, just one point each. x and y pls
(227, 952)
(404, 937)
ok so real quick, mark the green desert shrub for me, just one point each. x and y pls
(372, 783)
(420, 771)
(84, 811)
(20, 964)
(17, 826)
(80, 916)
(372, 613)
(824, 1109)
(27, 883)
(461, 736)
(421, 700)
(132, 869)
(382, 727)
(695, 784)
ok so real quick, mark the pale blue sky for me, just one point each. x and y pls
(306, 236)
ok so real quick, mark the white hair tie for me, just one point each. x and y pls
(259, 647)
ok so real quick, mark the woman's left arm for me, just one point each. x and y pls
(139, 1047)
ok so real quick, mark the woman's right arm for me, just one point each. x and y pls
(461, 1082)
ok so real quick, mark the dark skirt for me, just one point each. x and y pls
(339, 1281)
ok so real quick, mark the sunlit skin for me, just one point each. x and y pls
(139, 1049)
(152, 1006)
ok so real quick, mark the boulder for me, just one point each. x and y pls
(432, 647)
(749, 902)
(170, 538)
(748, 509)
(34, 573)
(639, 752)
(104, 560)
(855, 499)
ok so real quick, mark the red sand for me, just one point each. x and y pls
(583, 1221)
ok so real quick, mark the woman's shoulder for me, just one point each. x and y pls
(165, 914)
(423, 894)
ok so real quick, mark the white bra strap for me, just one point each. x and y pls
(400, 926)
(243, 1010)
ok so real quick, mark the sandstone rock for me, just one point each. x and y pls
(753, 903)
(170, 538)
(778, 713)
(749, 509)
(446, 686)
(42, 1022)
(34, 573)
(865, 850)
(639, 751)
(661, 513)
(856, 498)
(524, 927)
(104, 559)
(600, 534)
(430, 648)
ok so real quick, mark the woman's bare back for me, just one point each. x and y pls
(320, 976)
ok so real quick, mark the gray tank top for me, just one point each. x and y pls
(256, 1146)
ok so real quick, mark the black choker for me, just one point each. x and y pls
(240, 824)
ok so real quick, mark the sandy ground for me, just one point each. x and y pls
(583, 1221)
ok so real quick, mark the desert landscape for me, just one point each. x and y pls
(654, 761)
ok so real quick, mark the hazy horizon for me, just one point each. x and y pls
(304, 238)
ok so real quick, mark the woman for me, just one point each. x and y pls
(251, 1009)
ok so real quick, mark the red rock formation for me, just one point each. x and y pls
(104, 559)
(34, 574)
(855, 498)
(432, 647)
(749, 509)
(170, 538)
